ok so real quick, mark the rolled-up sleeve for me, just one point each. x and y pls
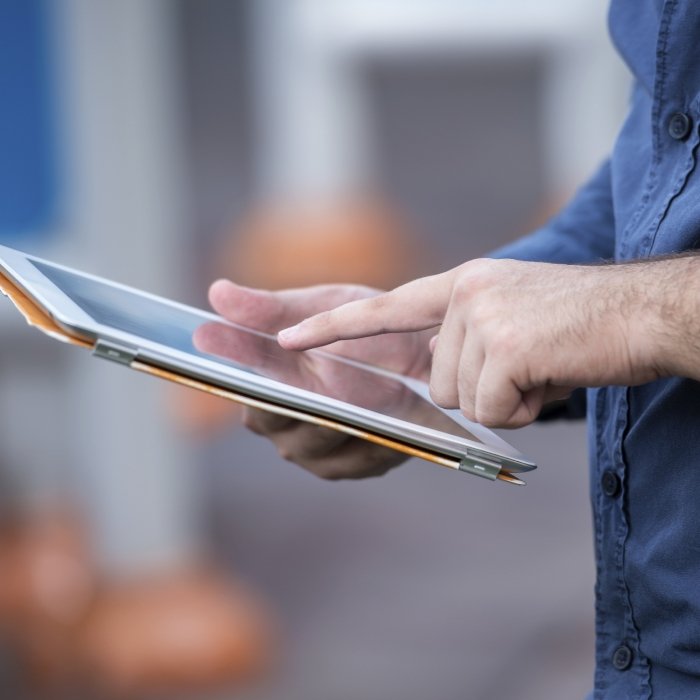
(583, 232)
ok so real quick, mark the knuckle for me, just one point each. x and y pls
(441, 396)
(352, 464)
(474, 266)
(464, 289)
(486, 418)
(330, 474)
(378, 304)
(473, 277)
(265, 423)
(503, 344)
(480, 313)
(251, 420)
(467, 410)
(322, 469)
(481, 416)
(285, 452)
(318, 443)
(351, 472)
(519, 419)
(323, 321)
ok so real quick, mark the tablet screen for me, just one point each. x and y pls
(195, 333)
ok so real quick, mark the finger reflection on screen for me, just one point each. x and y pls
(313, 371)
(322, 373)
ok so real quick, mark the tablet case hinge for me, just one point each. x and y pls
(116, 353)
(480, 466)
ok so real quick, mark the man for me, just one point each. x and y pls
(508, 336)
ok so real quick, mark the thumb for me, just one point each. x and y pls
(270, 311)
(255, 308)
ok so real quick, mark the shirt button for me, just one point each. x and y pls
(622, 658)
(610, 483)
(679, 126)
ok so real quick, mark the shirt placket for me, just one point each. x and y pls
(621, 668)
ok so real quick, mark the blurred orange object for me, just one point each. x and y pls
(188, 630)
(292, 245)
(173, 634)
(47, 584)
(200, 414)
(282, 245)
(47, 570)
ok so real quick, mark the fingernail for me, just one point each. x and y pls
(288, 333)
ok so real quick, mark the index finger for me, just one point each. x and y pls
(414, 306)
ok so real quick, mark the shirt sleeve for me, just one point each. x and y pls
(583, 232)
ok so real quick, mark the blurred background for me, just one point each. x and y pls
(149, 546)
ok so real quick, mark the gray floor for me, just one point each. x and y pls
(422, 584)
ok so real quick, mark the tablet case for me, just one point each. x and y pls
(35, 316)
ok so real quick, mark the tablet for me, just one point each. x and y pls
(138, 329)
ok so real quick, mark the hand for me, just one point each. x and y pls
(324, 452)
(512, 335)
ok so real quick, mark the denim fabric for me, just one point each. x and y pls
(644, 201)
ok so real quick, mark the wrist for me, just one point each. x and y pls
(665, 324)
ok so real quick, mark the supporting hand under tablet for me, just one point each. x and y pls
(324, 452)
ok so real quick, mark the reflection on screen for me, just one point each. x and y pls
(193, 333)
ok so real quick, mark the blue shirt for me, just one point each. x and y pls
(644, 441)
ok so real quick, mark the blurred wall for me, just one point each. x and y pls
(125, 222)
(105, 440)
